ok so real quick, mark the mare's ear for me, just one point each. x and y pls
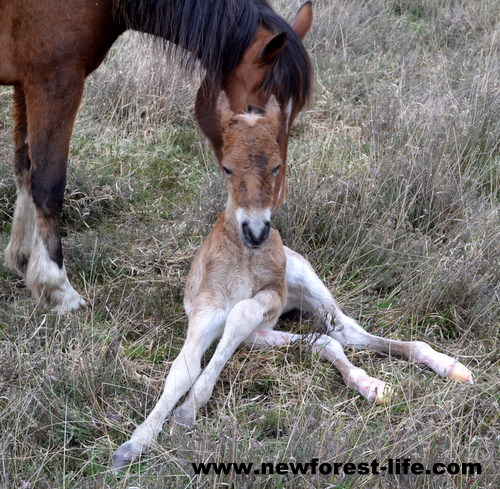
(223, 110)
(303, 20)
(271, 50)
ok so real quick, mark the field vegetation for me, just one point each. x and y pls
(393, 186)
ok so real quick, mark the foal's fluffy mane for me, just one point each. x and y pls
(249, 118)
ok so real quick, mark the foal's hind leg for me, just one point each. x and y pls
(372, 389)
(18, 250)
(307, 292)
(350, 333)
(51, 110)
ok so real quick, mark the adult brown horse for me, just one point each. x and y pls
(48, 48)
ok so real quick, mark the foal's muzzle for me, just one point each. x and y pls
(255, 233)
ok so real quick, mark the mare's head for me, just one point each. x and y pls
(250, 162)
(274, 64)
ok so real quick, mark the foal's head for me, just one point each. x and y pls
(274, 63)
(251, 162)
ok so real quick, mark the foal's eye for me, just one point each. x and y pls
(253, 109)
(276, 170)
(227, 171)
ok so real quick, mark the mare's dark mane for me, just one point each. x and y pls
(291, 76)
(216, 33)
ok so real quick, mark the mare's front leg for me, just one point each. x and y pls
(204, 327)
(307, 292)
(245, 317)
(44, 115)
(18, 250)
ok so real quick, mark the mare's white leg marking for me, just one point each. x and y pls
(307, 292)
(202, 332)
(27, 256)
(49, 282)
(19, 248)
(245, 317)
(372, 389)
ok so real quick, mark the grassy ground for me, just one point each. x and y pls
(393, 196)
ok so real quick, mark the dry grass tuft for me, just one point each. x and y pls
(393, 188)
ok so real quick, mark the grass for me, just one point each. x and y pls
(397, 159)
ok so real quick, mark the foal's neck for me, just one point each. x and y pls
(229, 225)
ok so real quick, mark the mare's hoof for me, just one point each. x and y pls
(69, 303)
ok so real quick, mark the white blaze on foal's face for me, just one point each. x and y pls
(250, 162)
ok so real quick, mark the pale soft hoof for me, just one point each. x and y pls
(372, 389)
(383, 394)
(123, 456)
(184, 416)
(459, 372)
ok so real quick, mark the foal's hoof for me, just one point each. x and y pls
(373, 390)
(384, 394)
(459, 372)
(123, 456)
(184, 416)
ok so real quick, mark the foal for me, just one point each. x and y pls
(237, 280)
(243, 278)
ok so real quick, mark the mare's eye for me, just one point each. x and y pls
(276, 170)
(227, 171)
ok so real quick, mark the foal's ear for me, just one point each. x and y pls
(223, 102)
(271, 50)
(303, 20)
(223, 109)
(272, 107)
(272, 115)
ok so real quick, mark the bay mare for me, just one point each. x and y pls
(48, 48)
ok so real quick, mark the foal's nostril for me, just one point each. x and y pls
(253, 235)
(246, 230)
(265, 231)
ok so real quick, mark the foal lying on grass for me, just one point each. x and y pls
(243, 278)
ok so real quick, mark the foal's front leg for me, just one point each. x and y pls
(204, 328)
(307, 292)
(245, 317)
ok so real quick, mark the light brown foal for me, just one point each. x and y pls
(243, 278)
